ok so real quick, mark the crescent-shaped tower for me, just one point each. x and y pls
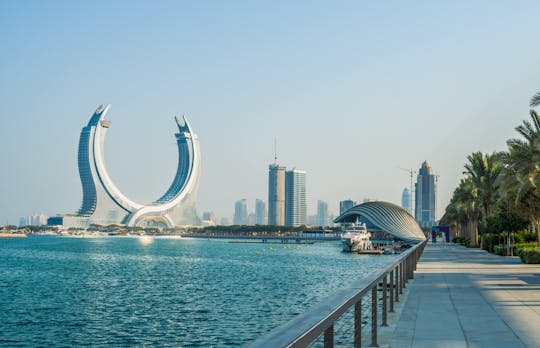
(104, 204)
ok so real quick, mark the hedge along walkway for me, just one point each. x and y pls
(468, 298)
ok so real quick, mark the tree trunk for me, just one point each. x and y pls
(537, 225)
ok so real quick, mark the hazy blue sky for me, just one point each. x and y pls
(351, 90)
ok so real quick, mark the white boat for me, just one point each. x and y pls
(356, 238)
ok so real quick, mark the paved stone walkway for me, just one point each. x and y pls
(464, 297)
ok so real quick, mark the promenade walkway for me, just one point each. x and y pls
(468, 298)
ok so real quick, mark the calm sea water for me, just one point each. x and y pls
(162, 292)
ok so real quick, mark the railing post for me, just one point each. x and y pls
(391, 291)
(329, 337)
(384, 300)
(358, 324)
(403, 277)
(406, 270)
(398, 286)
(412, 266)
(374, 317)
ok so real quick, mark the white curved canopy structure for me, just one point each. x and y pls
(387, 217)
(104, 203)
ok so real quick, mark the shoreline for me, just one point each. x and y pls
(12, 235)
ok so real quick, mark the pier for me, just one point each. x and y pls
(465, 297)
(460, 297)
(318, 323)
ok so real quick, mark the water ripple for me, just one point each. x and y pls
(184, 292)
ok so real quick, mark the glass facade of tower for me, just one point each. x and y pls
(295, 198)
(260, 212)
(406, 200)
(346, 205)
(322, 213)
(425, 196)
(276, 195)
(240, 212)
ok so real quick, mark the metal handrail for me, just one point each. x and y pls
(305, 328)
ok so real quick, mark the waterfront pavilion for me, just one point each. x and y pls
(384, 220)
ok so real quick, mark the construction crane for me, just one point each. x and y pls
(411, 174)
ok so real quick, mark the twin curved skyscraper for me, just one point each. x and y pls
(103, 203)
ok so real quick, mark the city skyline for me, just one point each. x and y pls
(398, 84)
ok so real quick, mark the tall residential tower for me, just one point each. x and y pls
(240, 212)
(276, 195)
(425, 196)
(295, 198)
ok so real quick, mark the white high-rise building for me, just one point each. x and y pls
(276, 195)
(295, 198)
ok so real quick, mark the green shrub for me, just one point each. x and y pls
(520, 246)
(530, 255)
(499, 250)
(459, 240)
(490, 241)
(525, 237)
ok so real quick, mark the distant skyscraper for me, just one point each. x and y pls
(322, 213)
(346, 205)
(260, 212)
(313, 220)
(240, 212)
(331, 218)
(251, 219)
(209, 216)
(224, 221)
(295, 198)
(425, 196)
(406, 200)
(276, 195)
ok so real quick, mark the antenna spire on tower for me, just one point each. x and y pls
(275, 151)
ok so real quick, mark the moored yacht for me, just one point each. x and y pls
(356, 238)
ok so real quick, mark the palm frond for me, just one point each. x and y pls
(535, 100)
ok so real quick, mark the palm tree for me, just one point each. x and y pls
(463, 211)
(522, 170)
(484, 171)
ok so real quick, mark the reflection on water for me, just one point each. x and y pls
(145, 240)
(165, 292)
